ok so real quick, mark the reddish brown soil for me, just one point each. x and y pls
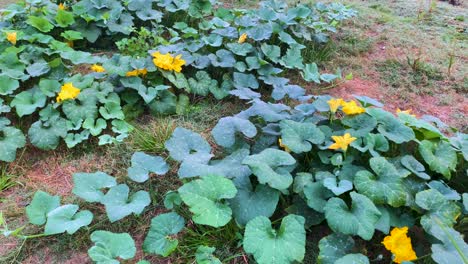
(419, 104)
(54, 174)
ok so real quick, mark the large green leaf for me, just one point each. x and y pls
(66, 219)
(38, 68)
(316, 195)
(49, 87)
(95, 127)
(453, 248)
(272, 167)
(437, 206)
(391, 127)
(40, 23)
(333, 247)
(159, 240)
(46, 135)
(82, 109)
(300, 207)
(358, 220)
(185, 144)
(337, 188)
(108, 247)
(205, 198)
(88, 185)
(250, 203)
(9, 85)
(311, 73)
(40, 206)
(64, 18)
(230, 167)
(385, 186)
(226, 129)
(413, 165)
(119, 205)
(298, 136)
(28, 101)
(353, 259)
(202, 83)
(270, 246)
(143, 164)
(359, 125)
(11, 139)
(440, 157)
(204, 255)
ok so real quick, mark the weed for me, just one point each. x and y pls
(318, 52)
(354, 44)
(6, 181)
(150, 137)
(416, 76)
(224, 239)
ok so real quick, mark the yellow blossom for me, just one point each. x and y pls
(342, 142)
(408, 112)
(62, 6)
(11, 36)
(68, 91)
(137, 72)
(351, 108)
(242, 38)
(334, 104)
(97, 68)
(178, 63)
(283, 146)
(70, 43)
(400, 245)
(168, 62)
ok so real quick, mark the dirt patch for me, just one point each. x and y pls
(443, 106)
(54, 174)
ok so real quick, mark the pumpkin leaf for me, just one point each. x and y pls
(108, 247)
(88, 185)
(299, 137)
(143, 164)
(270, 246)
(334, 247)
(358, 220)
(66, 218)
(440, 157)
(40, 206)
(119, 205)
(272, 167)
(385, 186)
(205, 199)
(158, 240)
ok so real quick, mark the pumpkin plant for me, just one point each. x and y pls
(368, 176)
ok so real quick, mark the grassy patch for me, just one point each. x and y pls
(413, 76)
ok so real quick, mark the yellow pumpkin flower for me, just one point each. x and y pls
(70, 43)
(408, 112)
(143, 71)
(168, 62)
(351, 108)
(242, 38)
(334, 104)
(67, 92)
(400, 245)
(132, 73)
(280, 142)
(137, 72)
(11, 37)
(97, 68)
(342, 142)
(62, 6)
(178, 63)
